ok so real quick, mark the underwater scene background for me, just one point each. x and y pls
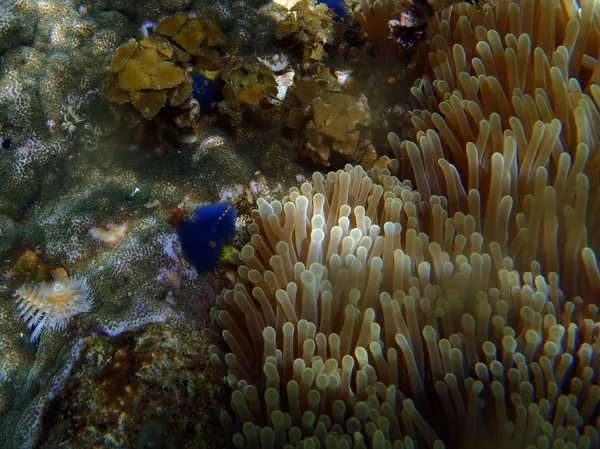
(299, 224)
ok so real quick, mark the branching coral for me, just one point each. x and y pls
(365, 315)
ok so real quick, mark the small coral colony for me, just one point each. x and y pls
(441, 288)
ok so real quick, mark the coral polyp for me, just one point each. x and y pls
(52, 304)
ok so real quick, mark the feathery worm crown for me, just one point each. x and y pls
(51, 304)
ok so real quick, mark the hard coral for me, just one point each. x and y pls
(67, 54)
(132, 391)
(147, 10)
(110, 234)
(154, 73)
(330, 125)
(312, 28)
(18, 20)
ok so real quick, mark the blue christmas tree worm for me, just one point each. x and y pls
(205, 232)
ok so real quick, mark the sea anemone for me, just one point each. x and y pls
(459, 314)
(510, 127)
(52, 304)
(366, 316)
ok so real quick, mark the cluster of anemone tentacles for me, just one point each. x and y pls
(460, 314)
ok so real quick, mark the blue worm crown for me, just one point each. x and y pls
(203, 92)
(337, 6)
(205, 233)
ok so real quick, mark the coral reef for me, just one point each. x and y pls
(103, 218)
(61, 51)
(143, 392)
(153, 72)
(312, 28)
(444, 298)
(31, 381)
(18, 20)
(488, 297)
(332, 125)
(294, 87)
(150, 10)
(249, 86)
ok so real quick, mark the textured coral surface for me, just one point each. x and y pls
(106, 220)
(154, 389)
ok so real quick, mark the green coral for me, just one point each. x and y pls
(66, 52)
(18, 21)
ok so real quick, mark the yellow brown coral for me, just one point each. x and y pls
(248, 84)
(155, 70)
(328, 121)
(461, 314)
